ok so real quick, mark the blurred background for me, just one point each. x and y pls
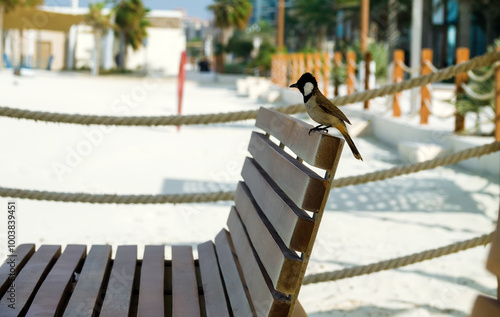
(237, 36)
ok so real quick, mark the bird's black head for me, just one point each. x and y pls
(305, 84)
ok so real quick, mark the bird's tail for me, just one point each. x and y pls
(349, 141)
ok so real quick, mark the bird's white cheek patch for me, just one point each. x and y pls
(308, 88)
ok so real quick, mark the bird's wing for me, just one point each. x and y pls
(329, 107)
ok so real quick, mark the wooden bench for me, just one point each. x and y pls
(255, 268)
(486, 306)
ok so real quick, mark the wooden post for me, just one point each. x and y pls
(337, 59)
(302, 64)
(399, 59)
(368, 59)
(462, 56)
(425, 98)
(295, 67)
(365, 21)
(273, 69)
(281, 24)
(283, 70)
(309, 63)
(351, 63)
(326, 72)
(497, 105)
(317, 66)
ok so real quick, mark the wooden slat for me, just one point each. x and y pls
(265, 299)
(86, 297)
(55, 290)
(485, 307)
(121, 281)
(298, 310)
(282, 264)
(15, 262)
(317, 149)
(213, 288)
(29, 280)
(236, 291)
(293, 224)
(151, 289)
(184, 284)
(302, 185)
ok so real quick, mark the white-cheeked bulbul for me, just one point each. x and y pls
(323, 111)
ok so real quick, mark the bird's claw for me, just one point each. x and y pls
(319, 128)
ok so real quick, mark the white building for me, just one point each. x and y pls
(65, 42)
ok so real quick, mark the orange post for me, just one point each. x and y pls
(462, 56)
(326, 72)
(284, 61)
(425, 91)
(302, 64)
(399, 59)
(273, 69)
(317, 66)
(295, 67)
(309, 63)
(497, 100)
(337, 59)
(351, 63)
(368, 59)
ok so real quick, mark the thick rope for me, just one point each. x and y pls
(211, 197)
(446, 73)
(116, 199)
(398, 262)
(471, 93)
(409, 169)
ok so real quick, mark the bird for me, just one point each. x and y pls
(323, 111)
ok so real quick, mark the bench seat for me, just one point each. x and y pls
(253, 267)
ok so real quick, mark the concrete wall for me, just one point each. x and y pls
(58, 48)
(162, 53)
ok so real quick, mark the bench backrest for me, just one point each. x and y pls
(278, 208)
(485, 306)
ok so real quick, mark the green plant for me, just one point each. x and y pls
(264, 57)
(240, 45)
(229, 14)
(467, 104)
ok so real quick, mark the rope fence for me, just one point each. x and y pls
(471, 93)
(446, 73)
(481, 78)
(408, 69)
(219, 196)
(398, 262)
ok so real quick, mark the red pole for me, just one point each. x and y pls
(180, 84)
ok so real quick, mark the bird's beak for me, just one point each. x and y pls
(294, 86)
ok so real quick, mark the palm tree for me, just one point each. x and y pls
(100, 23)
(227, 15)
(131, 23)
(6, 6)
(316, 16)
